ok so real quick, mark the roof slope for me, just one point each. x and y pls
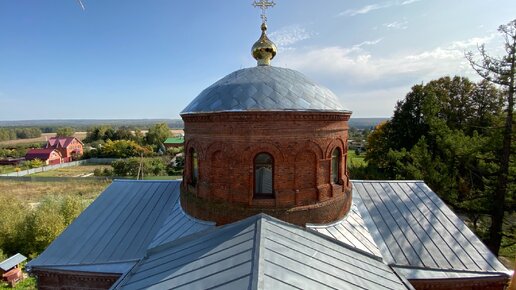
(415, 229)
(174, 140)
(350, 230)
(12, 261)
(118, 226)
(57, 142)
(40, 153)
(259, 253)
(264, 88)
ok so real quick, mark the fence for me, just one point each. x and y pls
(62, 165)
(56, 178)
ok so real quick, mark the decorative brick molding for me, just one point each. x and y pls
(301, 145)
(70, 280)
(223, 212)
(481, 283)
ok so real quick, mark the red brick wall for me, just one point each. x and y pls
(485, 283)
(301, 144)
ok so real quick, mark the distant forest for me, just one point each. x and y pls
(50, 126)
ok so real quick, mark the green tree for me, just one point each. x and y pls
(12, 216)
(98, 133)
(158, 134)
(123, 133)
(501, 71)
(442, 132)
(43, 225)
(122, 149)
(65, 132)
(134, 166)
(71, 207)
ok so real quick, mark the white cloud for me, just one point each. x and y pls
(355, 72)
(472, 42)
(287, 36)
(367, 42)
(396, 25)
(407, 2)
(368, 8)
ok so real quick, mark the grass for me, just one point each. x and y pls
(74, 171)
(27, 283)
(162, 177)
(356, 160)
(34, 191)
(7, 169)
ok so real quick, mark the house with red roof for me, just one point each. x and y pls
(70, 147)
(49, 156)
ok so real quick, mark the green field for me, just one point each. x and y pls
(74, 171)
(27, 283)
(34, 191)
(356, 160)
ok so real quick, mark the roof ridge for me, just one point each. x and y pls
(257, 269)
(386, 181)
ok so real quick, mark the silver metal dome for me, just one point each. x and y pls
(264, 88)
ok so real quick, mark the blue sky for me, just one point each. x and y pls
(149, 59)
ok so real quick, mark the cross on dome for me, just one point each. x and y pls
(263, 5)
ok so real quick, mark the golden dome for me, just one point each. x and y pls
(264, 49)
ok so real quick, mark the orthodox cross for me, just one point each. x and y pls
(263, 4)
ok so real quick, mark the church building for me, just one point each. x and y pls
(266, 202)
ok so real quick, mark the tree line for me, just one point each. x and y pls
(7, 134)
(124, 143)
(457, 135)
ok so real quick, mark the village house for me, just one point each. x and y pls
(10, 269)
(49, 156)
(174, 142)
(70, 148)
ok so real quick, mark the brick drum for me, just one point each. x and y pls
(301, 144)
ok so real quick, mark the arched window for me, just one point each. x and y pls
(194, 166)
(336, 156)
(263, 176)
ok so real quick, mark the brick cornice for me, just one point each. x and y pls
(270, 116)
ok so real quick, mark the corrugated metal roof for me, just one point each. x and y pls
(264, 88)
(117, 227)
(260, 253)
(12, 261)
(350, 230)
(413, 227)
(178, 224)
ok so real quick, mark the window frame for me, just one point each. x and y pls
(261, 195)
(335, 175)
(194, 166)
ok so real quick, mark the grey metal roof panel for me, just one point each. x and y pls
(350, 230)
(295, 257)
(118, 226)
(413, 227)
(211, 259)
(264, 88)
(179, 224)
(12, 261)
(259, 253)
